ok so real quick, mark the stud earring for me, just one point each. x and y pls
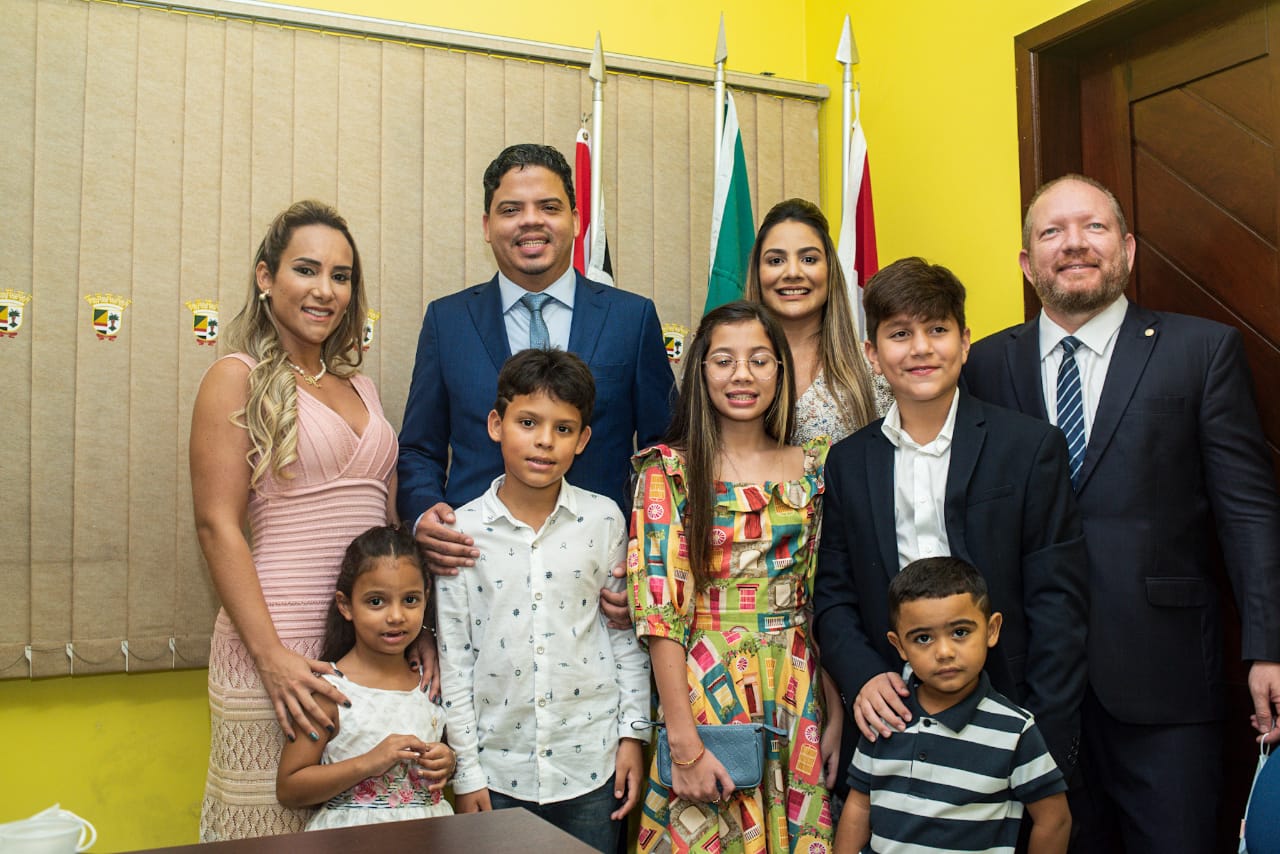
(263, 296)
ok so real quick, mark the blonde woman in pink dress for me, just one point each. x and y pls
(286, 436)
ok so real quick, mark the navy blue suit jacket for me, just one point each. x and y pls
(1176, 469)
(463, 345)
(1009, 512)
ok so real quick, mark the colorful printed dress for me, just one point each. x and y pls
(750, 657)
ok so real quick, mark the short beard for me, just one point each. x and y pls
(1080, 303)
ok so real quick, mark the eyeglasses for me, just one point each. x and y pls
(721, 366)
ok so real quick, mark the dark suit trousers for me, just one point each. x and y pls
(1148, 789)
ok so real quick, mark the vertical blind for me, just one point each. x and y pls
(147, 149)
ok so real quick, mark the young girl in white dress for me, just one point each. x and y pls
(384, 759)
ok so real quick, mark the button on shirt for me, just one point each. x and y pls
(1093, 357)
(537, 690)
(557, 312)
(920, 487)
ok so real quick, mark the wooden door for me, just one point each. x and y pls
(1174, 106)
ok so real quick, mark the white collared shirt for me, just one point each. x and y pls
(1098, 340)
(537, 690)
(920, 487)
(557, 312)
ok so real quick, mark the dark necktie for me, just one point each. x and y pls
(1071, 407)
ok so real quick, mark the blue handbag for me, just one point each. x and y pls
(739, 747)
(1260, 829)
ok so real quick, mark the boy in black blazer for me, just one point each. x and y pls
(944, 473)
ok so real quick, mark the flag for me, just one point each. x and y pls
(857, 246)
(732, 226)
(591, 261)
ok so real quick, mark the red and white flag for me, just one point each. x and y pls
(857, 247)
(591, 261)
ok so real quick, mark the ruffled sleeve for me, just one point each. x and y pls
(660, 584)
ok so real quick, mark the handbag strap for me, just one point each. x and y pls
(651, 724)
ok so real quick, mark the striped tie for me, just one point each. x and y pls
(1071, 407)
(539, 338)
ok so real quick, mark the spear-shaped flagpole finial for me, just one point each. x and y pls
(596, 72)
(847, 52)
(722, 48)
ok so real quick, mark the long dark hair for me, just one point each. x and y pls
(843, 364)
(365, 550)
(695, 427)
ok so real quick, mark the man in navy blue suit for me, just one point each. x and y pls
(1170, 471)
(536, 299)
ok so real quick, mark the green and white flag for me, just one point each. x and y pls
(732, 226)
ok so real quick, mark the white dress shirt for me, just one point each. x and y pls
(557, 312)
(1093, 357)
(537, 690)
(920, 487)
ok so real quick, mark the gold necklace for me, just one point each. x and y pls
(309, 379)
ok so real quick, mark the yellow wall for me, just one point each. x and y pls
(128, 751)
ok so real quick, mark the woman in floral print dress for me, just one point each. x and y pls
(720, 569)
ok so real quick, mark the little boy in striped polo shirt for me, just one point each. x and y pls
(961, 774)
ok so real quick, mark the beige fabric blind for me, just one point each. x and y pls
(146, 151)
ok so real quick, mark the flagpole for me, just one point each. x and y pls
(596, 73)
(722, 53)
(846, 55)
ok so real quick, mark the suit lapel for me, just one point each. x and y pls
(1134, 343)
(1023, 353)
(966, 445)
(589, 313)
(882, 500)
(485, 307)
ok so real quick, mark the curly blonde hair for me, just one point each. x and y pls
(271, 411)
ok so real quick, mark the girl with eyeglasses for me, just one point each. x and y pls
(724, 528)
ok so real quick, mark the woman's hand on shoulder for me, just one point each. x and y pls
(423, 656)
(291, 683)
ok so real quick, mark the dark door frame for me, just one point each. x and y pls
(1051, 65)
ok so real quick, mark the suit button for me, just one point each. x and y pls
(921, 756)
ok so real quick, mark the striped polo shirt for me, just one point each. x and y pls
(957, 780)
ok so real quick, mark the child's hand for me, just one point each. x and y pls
(878, 709)
(477, 801)
(392, 749)
(628, 774)
(614, 603)
(705, 781)
(438, 762)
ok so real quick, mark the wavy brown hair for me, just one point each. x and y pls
(271, 412)
(695, 427)
(839, 349)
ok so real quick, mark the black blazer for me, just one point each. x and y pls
(1009, 511)
(1176, 465)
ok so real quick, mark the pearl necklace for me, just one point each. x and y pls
(308, 378)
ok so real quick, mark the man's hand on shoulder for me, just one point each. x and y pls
(443, 548)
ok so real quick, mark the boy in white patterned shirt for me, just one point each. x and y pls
(540, 694)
